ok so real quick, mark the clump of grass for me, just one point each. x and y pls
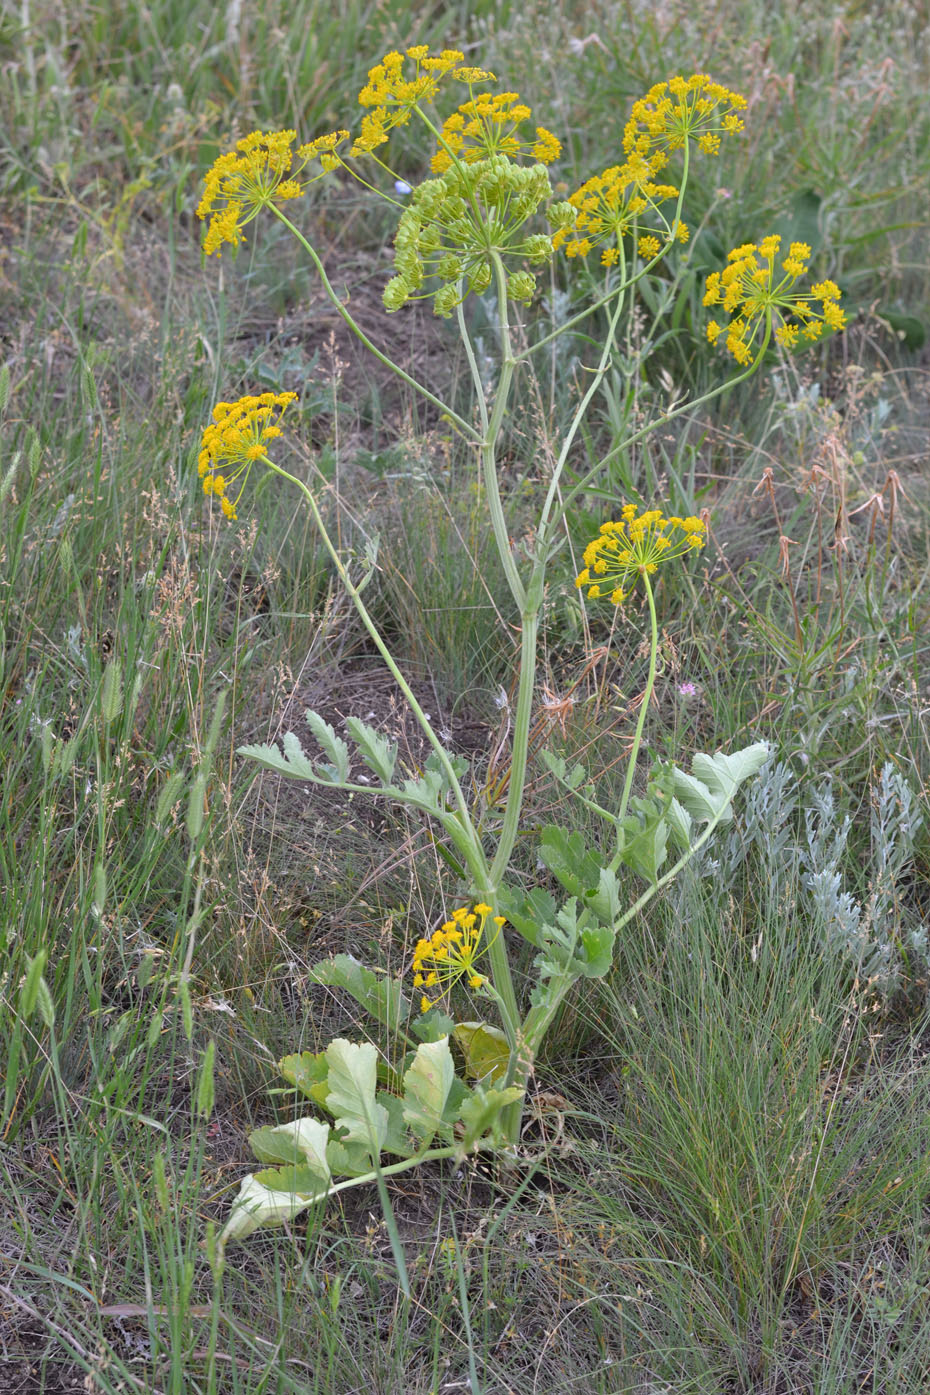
(753, 1154)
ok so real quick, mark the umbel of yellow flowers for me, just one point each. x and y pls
(239, 434)
(259, 172)
(450, 953)
(635, 547)
(759, 299)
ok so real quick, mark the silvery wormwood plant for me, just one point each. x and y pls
(486, 220)
(799, 840)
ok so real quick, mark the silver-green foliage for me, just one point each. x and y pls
(814, 857)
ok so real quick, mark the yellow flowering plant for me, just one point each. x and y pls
(486, 220)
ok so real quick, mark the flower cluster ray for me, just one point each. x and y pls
(239, 434)
(610, 205)
(489, 125)
(391, 96)
(753, 292)
(450, 953)
(633, 547)
(260, 171)
(683, 109)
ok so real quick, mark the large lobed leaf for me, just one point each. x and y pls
(426, 1088)
(352, 1081)
(379, 995)
(706, 794)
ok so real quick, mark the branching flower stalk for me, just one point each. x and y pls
(478, 225)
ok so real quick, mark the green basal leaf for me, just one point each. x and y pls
(347, 1159)
(481, 1113)
(300, 1180)
(644, 834)
(527, 911)
(258, 1204)
(301, 1143)
(566, 855)
(426, 1089)
(333, 745)
(379, 995)
(486, 1051)
(352, 1080)
(379, 754)
(396, 1138)
(271, 1146)
(307, 1071)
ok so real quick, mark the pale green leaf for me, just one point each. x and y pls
(258, 1205)
(426, 1088)
(379, 995)
(427, 790)
(297, 763)
(481, 1112)
(379, 754)
(679, 824)
(302, 1142)
(707, 793)
(333, 745)
(486, 1051)
(352, 1082)
(347, 1159)
(271, 1146)
(598, 942)
(606, 900)
(644, 839)
(396, 1137)
(294, 763)
(307, 1070)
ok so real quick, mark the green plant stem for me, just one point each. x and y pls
(538, 1019)
(643, 709)
(590, 309)
(463, 425)
(472, 367)
(530, 628)
(474, 852)
(489, 444)
(510, 825)
(624, 285)
(542, 533)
